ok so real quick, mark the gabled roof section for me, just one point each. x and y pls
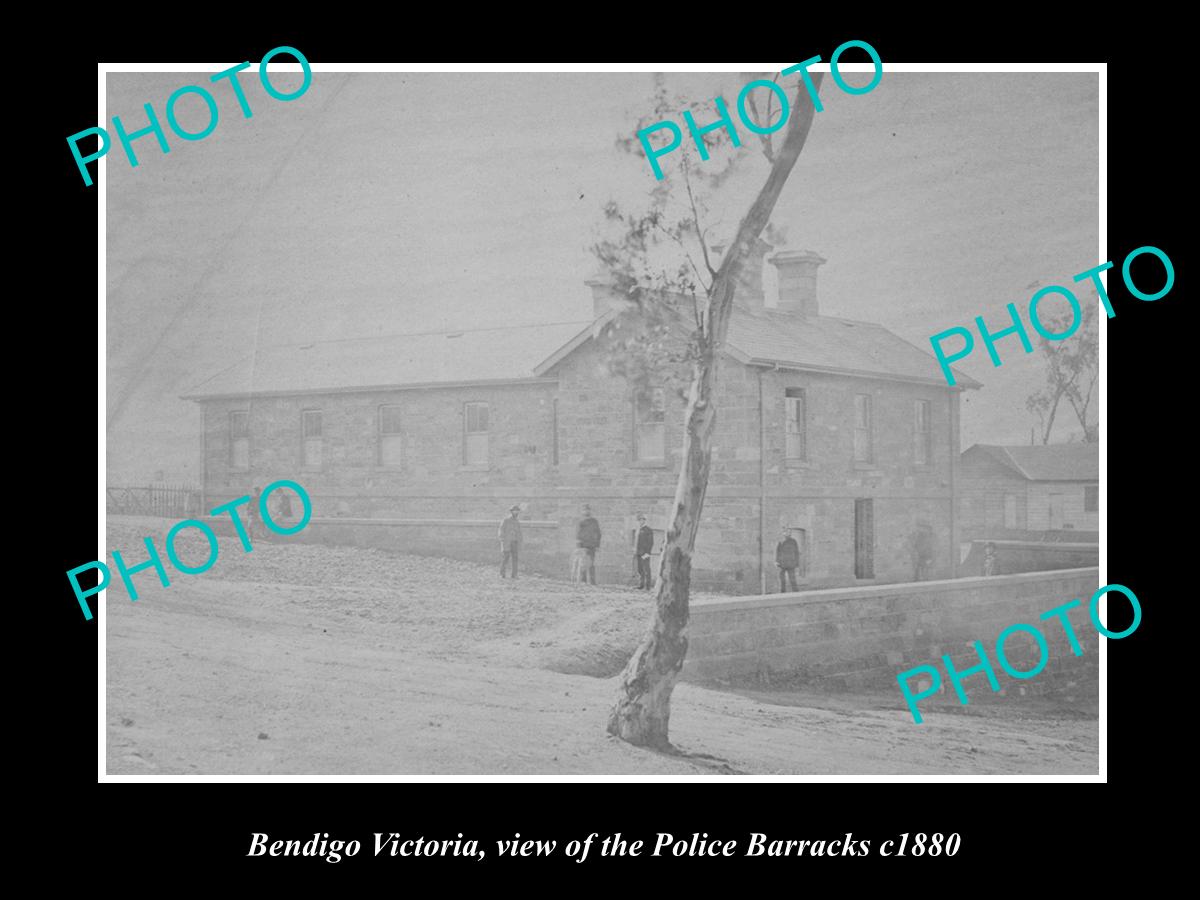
(827, 344)
(585, 334)
(482, 355)
(818, 344)
(1047, 462)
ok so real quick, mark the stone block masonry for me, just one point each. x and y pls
(860, 469)
(861, 637)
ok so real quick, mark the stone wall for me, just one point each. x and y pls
(568, 439)
(863, 637)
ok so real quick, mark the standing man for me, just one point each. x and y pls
(642, 550)
(787, 558)
(510, 540)
(587, 536)
(284, 507)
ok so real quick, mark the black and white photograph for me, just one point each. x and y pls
(604, 423)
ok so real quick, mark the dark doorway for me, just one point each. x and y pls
(864, 539)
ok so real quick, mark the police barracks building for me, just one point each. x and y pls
(837, 429)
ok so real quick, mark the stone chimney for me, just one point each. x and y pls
(604, 296)
(798, 281)
(750, 286)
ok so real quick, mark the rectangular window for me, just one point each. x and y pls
(391, 438)
(797, 434)
(650, 425)
(310, 433)
(922, 433)
(1010, 511)
(862, 428)
(239, 439)
(864, 539)
(475, 446)
(1091, 498)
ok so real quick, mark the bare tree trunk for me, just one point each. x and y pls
(1081, 407)
(643, 709)
(1050, 419)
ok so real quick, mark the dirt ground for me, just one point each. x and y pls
(309, 660)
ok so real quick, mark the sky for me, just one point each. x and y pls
(401, 202)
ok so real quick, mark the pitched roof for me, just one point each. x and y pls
(1048, 462)
(824, 343)
(523, 352)
(444, 357)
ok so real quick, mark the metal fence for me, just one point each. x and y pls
(172, 501)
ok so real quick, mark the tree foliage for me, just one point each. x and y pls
(661, 255)
(1072, 370)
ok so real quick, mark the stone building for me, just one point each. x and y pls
(1029, 491)
(837, 429)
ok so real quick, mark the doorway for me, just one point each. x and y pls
(864, 538)
(1056, 512)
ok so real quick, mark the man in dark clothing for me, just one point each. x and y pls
(510, 541)
(787, 558)
(587, 536)
(642, 551)
(284, 507)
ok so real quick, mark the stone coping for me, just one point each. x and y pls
(1041, 545)
(906, 588)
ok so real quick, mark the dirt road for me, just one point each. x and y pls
(309, 660)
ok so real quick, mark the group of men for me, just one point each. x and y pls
(587, 542)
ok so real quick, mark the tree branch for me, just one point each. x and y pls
(749, 229)
(700, 230)
(768, 147)
(687, 253)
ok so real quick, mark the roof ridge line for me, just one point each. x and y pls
(376, 337)
(1016, 465)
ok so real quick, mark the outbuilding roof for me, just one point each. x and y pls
(1046, 462)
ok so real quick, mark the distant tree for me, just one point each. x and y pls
(1072, 374)
(661, 263)
(1083, 364)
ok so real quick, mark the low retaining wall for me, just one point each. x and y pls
(1030, 556)
(862, 637)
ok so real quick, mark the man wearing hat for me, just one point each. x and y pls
(587, 537)
(510, 540)
(642, 550)
(787, 559)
